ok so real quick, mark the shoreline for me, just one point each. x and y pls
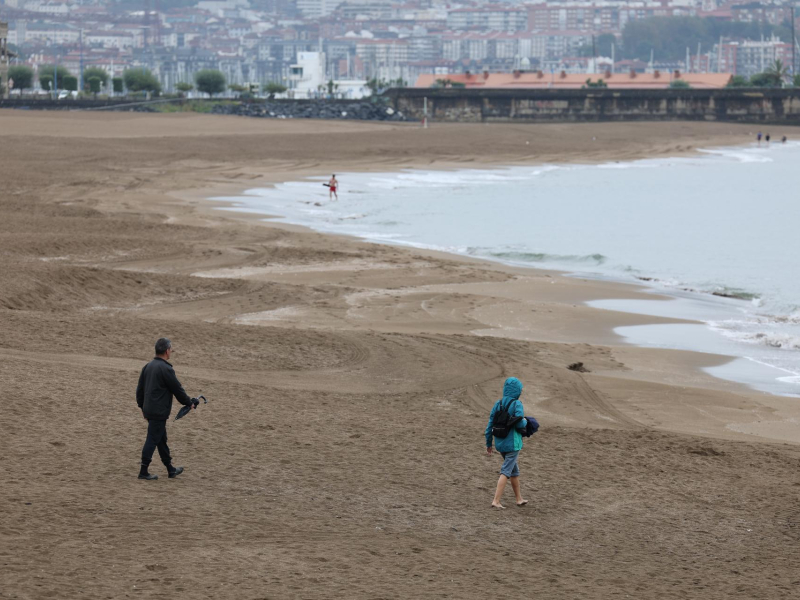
(648, 290)
(341, 452)
(683, 369)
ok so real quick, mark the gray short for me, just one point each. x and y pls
(510, 467)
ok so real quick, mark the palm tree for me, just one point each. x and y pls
(331, 87)
(778, 73)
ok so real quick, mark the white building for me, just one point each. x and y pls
(219, 6)
(50, 8)
(109, 39)
(22, 32)
(495, 17)
(311, 9)
(351, 88)
(307, 74)
(749, 57)
(308, 78)
(136, 32)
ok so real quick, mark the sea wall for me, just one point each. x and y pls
(312, 109)
(65, 104)
(367, 109)
(474, 105)
(754, 105)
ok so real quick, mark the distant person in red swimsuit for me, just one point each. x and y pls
(332, 185)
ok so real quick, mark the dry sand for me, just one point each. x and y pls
(341, 453)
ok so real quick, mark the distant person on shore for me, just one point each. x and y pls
(758, 137)
(332, 187)
(507, 414)
(766, 137)
(783, 140)
(157, 385)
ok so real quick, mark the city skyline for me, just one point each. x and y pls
(261, 41)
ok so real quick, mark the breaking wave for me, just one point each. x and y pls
(737, 293)
(762, 338)
(540, 257)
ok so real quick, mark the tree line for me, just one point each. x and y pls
(667, 38)
(95, 79)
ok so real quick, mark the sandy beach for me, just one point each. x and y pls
(341, 453)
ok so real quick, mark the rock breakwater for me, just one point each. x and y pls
(312, 109)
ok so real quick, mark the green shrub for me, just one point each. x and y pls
(738, 81)
(141, 80)
(22, 76)
(94, 84)
(101, 74)
(210, 81)
(47, 75)
(69, 83)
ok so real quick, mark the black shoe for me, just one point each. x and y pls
(148, 476)
(175, 473)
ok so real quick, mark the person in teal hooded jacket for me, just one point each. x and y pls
(510, 445)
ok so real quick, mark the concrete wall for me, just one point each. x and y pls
(66, 104)
(739, 104)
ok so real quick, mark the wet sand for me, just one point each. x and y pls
(341, 452)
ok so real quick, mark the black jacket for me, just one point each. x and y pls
(157, 385)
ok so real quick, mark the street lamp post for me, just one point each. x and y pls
(794, 46)
(80, 68)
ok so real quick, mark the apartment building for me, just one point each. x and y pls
(495, 46)
(109, 39)
(758, 12)
(549, 45)
(47, 33)
(598, 17)
(53, 9)
(492, 17)
(364, 10)
(314, 9)
(747, 58)
(382, 51)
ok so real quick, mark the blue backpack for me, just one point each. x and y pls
(531, 428)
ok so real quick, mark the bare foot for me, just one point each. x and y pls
(497, 505)
(522, 503)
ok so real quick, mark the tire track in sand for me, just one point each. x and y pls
(371, 364)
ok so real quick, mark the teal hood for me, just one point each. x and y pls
(512, 388)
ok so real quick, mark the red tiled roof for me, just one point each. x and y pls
(541, 80)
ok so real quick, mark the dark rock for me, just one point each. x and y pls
(312, 109)
(706, 451)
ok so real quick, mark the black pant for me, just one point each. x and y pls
(156, 438)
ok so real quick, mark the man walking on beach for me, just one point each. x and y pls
(157, 385)
(332, 186)
(507, 410)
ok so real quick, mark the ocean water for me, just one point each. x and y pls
(718, 233)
